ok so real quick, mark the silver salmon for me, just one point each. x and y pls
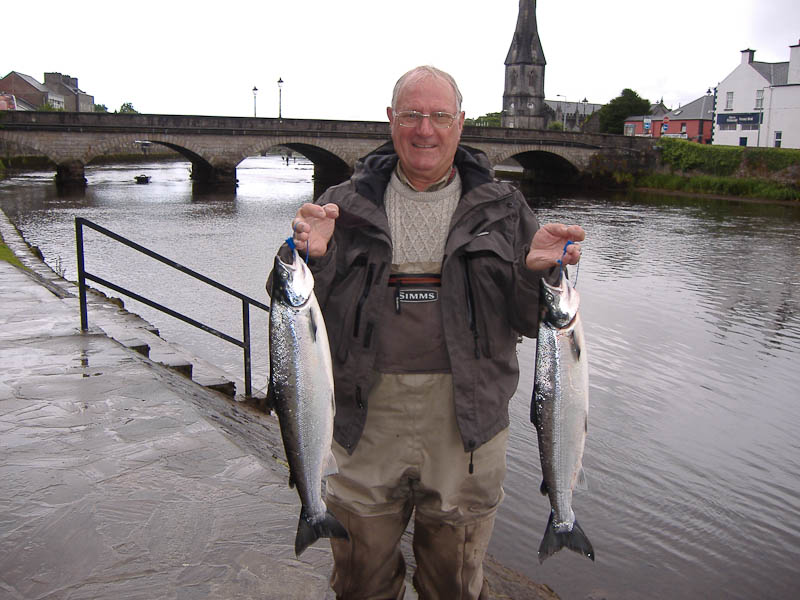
(559, 410)
(301, 390)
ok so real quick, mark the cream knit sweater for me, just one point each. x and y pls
(419, 221)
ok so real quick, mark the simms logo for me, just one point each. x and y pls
(418, 295)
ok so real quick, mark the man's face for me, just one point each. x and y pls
(426, 152)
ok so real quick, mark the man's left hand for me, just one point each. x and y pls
(547, 247)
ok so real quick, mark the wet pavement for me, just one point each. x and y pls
(122, 478)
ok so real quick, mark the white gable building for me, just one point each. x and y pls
(758, 104)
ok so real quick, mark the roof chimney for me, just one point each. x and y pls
(747, 56)
(794, 64)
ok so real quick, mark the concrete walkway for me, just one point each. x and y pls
(122, 478)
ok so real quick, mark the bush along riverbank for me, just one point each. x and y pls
(760, 173)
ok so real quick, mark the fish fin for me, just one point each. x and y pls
(576, 345)
(331, 468)
(313, 324)
(543, 488)
(575, 540)
(581, 484)
(578, 341)
(308, 533)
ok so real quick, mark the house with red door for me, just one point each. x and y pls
(692, 122)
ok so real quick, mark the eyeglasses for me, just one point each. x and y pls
(412, 118)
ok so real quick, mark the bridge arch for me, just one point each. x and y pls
(544, 166)
(19, 145)
(543, 162)
(203, 167)
(333, 161)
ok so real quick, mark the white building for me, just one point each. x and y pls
(758, 104)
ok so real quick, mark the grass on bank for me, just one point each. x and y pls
(766, 173)
(746, 187)
(683, 155)
(7, 255)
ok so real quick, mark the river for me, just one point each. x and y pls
(691, 309)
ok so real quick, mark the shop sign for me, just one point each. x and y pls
(743, 118)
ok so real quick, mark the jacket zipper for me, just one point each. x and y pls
(363, 298)
(471, 316)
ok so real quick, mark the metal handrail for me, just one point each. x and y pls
(83, 275)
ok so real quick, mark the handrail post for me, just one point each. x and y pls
(248, 385)
(81, 275)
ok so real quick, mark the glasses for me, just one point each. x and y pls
(412, 118)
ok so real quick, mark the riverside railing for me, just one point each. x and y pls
(83, 275)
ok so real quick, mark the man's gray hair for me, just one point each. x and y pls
(421, 73)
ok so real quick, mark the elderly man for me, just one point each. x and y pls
(427, 271)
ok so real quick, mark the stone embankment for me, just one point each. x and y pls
(122, 477)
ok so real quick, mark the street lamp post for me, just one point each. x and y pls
(255, 91)
(583, 124)
(564, 112)
(280, 84)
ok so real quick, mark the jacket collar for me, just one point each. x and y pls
(372, 172)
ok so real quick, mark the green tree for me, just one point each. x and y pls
(487, 120)
(612, 116)
(127, 107)
(100, 108)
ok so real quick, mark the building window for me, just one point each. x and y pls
(630, 129)
(727, 127)
(778, 136)
(683, 127)
(749, 126)
(729, 101)
(759, 99)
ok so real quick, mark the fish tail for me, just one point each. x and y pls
(308, 533)
(554, 541)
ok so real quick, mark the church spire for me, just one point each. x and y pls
(526, 47)
(523, 99)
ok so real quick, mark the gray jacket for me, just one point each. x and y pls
(488, 296)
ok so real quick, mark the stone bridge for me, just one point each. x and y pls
(216, 145)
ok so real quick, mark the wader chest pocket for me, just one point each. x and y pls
(412, 337)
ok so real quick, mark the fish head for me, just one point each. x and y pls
(292, 283)
(559, 302)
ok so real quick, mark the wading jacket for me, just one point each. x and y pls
(488, 297)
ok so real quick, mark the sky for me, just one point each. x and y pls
(340, 60)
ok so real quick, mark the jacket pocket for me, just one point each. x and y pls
(345, 302)
(488, 263)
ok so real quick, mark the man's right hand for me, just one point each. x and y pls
(313, 228)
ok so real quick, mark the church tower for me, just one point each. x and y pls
(523, 98)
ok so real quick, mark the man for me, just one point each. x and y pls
(427, 271)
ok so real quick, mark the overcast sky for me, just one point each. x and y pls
(340, 60)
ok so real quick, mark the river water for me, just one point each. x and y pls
(691, 310)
